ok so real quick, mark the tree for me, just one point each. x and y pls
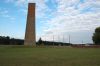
(40, 41)
(7, 40)
(96, 36)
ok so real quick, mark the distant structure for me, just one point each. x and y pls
(30, 39)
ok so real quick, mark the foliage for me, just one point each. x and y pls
(6, 40)
(40, 41)
(96, 36)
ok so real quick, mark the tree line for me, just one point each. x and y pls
(6, 40)
(51, 43)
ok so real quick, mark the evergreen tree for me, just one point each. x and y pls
(96, 36)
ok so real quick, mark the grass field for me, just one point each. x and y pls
(28, 56)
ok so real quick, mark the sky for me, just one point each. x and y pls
(55, 19)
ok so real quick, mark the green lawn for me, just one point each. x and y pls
(22, 56)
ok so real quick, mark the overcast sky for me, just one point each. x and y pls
(54, 18)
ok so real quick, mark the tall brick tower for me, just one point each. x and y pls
(30, 26)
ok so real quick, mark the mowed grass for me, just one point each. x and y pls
(28, 56)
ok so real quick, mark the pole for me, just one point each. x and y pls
(53, 40)
(69, 39)
(63, 38)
